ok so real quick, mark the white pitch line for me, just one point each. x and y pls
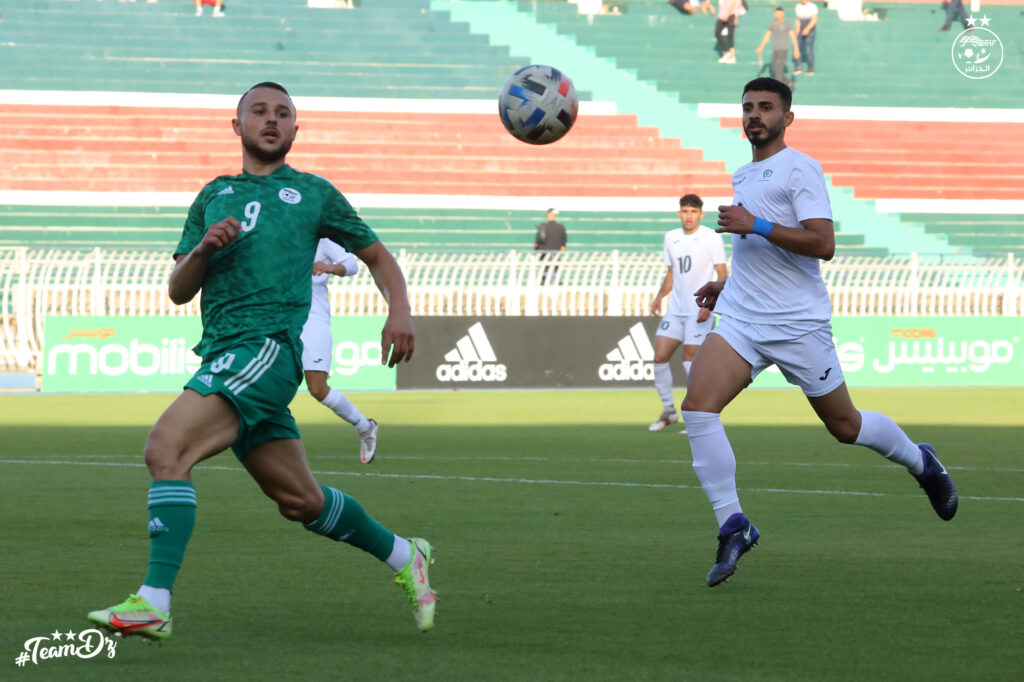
(596, 460)
(533, 481)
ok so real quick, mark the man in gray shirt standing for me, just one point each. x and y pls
(782, 34)
(550, 237)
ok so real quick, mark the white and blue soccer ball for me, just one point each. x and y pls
(538, 104)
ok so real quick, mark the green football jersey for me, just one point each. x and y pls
(260, 283)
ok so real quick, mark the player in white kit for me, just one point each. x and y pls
(317, 343)
(693, 253)
(775, 310)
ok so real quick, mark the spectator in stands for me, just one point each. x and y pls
(725, 29)
(693, 6)
(218, 10)
(955, 8)
(686, 6)
(781, 33)
(550, 239)
(806, 29)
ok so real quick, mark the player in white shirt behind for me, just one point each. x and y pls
(775, 309)
(694, 254)
(317, 343)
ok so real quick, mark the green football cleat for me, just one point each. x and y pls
(413, 579)
(134, 616)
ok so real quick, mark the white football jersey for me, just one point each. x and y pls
(693, 258)
(330, 253)
(769, 284)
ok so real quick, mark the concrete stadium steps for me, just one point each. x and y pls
(902, 61)
(91, 226)
(151, 149)
(896, 159)
(160, 228)
(982, 233)
(396, 49)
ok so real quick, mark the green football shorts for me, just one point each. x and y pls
(259, 377)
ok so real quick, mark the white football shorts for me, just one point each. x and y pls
(316, 344)
(806, 356)
(686, 328)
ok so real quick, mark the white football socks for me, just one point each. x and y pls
(686, 366)
(400, 555)
(884, 436)
(159, 597)
(344, 408)
(663, 384)
(713, 462)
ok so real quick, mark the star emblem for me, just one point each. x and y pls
(56, 635)
(970, 21)
(985, 21)
(70, 635)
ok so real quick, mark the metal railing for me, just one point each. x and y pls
(39, 282)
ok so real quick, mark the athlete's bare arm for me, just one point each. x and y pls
(707, 295)
(337, 269)
(666, 287)
(817, 239)
(397, 336)
(190, 269)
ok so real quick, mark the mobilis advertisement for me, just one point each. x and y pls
(142, 354)
(925, 352)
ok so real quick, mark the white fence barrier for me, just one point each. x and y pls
(36, 282)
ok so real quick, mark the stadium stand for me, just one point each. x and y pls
(101, 170)
(897, 62)
(887, 159)
(160, 228)
(983, 234)
(393, 49)
(406, 49)
(153, 149)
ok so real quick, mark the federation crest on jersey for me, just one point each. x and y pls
(289, 195)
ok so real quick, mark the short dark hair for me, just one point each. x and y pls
(691, 200)
(264, 84)
(780, 9)
(771, 85)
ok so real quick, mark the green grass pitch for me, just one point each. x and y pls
(572, 544)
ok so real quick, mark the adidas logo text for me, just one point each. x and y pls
(206, 379)
(156, 527)
(632, 360)
(472, 359)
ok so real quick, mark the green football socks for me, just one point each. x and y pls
(344, 519)
(172, 516)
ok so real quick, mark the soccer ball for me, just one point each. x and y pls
(538, 104)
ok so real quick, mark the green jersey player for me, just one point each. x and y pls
(249, 244)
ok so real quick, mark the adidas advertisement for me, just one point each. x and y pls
(472, 359)
(154, 354)
(596, 352)
(530, 352)
(632, 359)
